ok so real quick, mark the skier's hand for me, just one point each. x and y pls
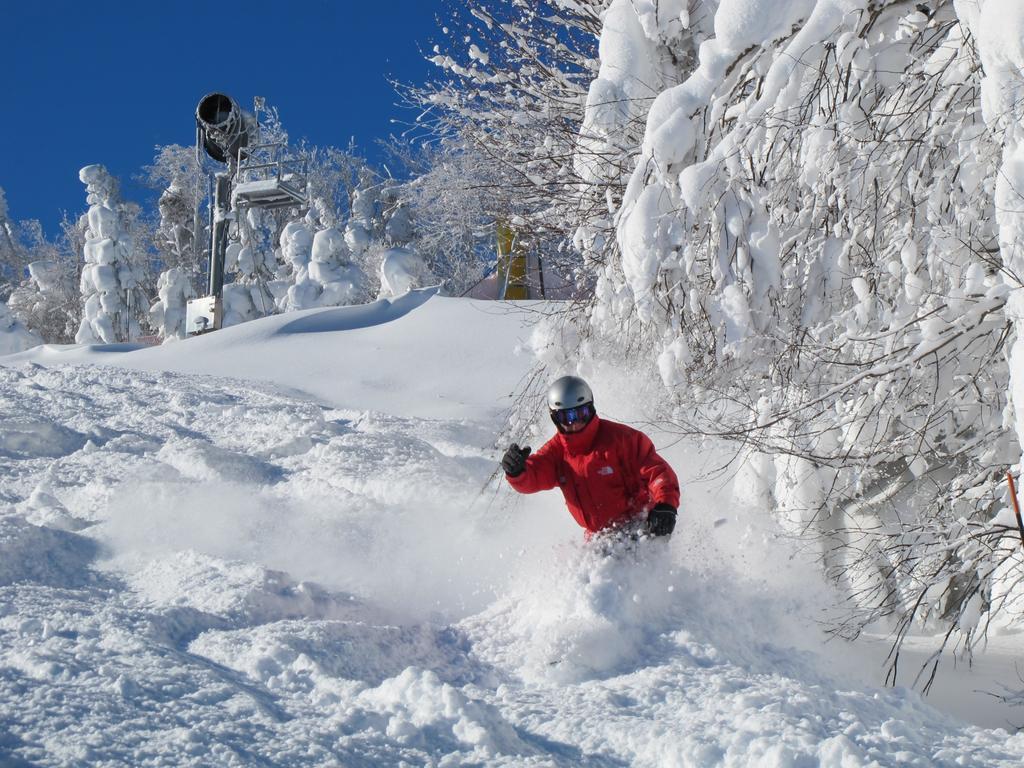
(661, 520)
(514, 460)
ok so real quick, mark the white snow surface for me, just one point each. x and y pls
(279, 544)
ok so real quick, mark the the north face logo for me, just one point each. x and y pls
(606, 471)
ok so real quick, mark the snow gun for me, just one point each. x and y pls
(222, 127)
(257, 175)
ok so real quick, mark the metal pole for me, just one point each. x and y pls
(219, 234)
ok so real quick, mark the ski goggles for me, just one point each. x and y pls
(568, 416)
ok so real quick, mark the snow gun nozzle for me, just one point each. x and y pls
(223, 126)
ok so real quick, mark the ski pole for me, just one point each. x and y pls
(1016, 506)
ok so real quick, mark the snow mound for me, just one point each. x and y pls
(360, 316)
(44, 509)
(26, 438)
(32, 553)
(418, 708)
(200, 460)
(347, 462)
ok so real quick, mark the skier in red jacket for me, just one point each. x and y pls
(609, 473)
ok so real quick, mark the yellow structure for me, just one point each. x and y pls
(512, 270)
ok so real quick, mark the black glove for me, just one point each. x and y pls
(661, 520)
(514, 460)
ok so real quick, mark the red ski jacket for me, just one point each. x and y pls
(609, 473)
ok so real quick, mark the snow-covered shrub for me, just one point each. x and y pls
(113, 301)
(248, 297)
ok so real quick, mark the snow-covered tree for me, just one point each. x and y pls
(363, 226)
(168, 313)
(816, 250)
(254, 268)
(178, 237)
(334, 175)
(331, 267)
(176, 241)
(322, 273)
(9, 256)
(296, 249)
(448, 199)
(380, 218)
(113, 301)
(14, 336)
(47, 302)
(995, 27)
(524, 90)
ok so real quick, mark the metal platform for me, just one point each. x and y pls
(270, 193)
(269, 177)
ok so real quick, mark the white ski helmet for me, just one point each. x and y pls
(569, 392)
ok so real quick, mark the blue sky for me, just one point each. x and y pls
(97, 81)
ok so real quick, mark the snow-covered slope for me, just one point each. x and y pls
(382, 356)
(277, 544)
